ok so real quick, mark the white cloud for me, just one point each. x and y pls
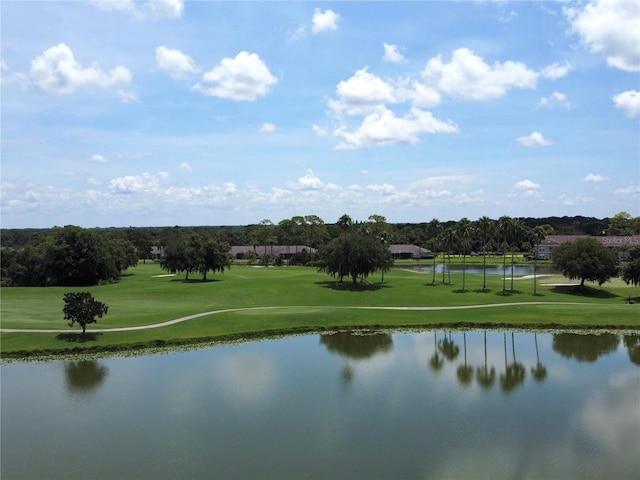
(383, 127)
(609, 27)
(175, 62)
(392, 53)
(56, 71)
(556, 99)
(127, 96)
(267, 127)
(245, 77)
(467, 75)
(527, 185)
(9, 77)
(319, 131)
(327, 20)
(595, 178)
(96, 157)
(556, 70)
(536, 139)
(633, 190)
(628, 102)
(362, 93)
(185, 167)
(307, 182)
(148, 10)
(135, 183)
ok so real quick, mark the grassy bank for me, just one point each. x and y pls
(303, 300)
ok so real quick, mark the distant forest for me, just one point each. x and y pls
(402, 233)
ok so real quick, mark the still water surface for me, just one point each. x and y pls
(390, 405)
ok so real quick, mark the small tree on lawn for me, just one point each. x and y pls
(82, 308)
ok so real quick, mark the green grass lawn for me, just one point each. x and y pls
(312, 301)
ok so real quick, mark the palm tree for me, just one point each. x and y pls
(436, 361)
(516, 228)
(465, 372)
(434, 229)
(504, 230)
(463, 231)
(539, 234)
(345, 222)
(485, 228)
(485, 376)
(540, 371)
(515, 372)
(448, 239)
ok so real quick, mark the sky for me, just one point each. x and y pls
(170, 112)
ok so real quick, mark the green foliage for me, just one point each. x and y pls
(82, 308)
(586, 259)
(623, 223)
(70, 256)
(194, 250)
(631, 267)
(354, 254)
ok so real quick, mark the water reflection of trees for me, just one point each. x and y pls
(632, 342)
(355, 346)
(585, 348)
(84, 375)
(514, 372)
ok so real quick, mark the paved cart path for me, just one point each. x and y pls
(246, 309)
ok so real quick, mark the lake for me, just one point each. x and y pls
(518, 270)
(477, 404)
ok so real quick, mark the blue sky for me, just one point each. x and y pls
(118, 113)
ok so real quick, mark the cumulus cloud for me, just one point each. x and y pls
(556, 99)
(327, 20)
(185, 167)
(267, 127)
(536, 139)
(468, 75)
(149, 10)
(173, 61)
(362, 93)
(243, 78)
(609, 27)
(595, 178)
(526, 185)
(96, 157)
(392, 53)
(56, 71)
(383, 127)
(556, 70)
(135, 183)
(628, 102)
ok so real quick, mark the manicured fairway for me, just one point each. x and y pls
(305, 300)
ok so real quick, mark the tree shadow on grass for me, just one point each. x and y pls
(194, 280)
(508, 293)
(583, 291)
(352, 287)
(79, 337)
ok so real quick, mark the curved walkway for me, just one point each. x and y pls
(228, 310)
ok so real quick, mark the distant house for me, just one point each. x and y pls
(158, 252)
(285, 252)
(545, 248)
(402, 251)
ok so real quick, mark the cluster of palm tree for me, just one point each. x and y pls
(512, 377)
(505, 235)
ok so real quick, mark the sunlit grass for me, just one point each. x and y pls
(143, 297)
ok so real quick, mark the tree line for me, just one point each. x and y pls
(309, 230)
(75, 256)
